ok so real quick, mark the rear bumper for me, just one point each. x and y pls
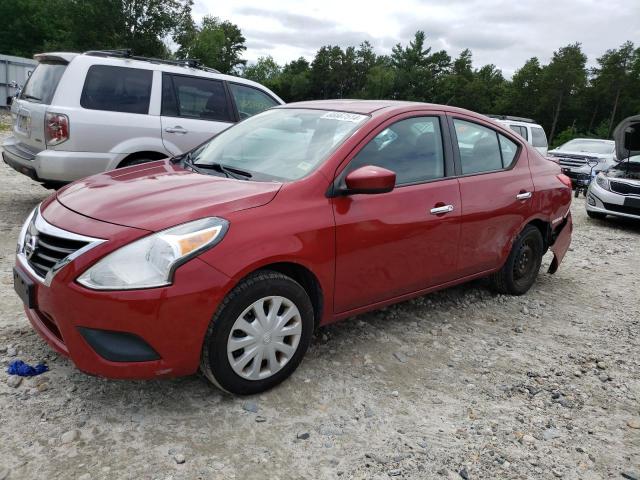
(57, 165)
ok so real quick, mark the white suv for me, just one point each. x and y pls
(80, 114)
(528, 129)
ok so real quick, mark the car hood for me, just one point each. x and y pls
(627, 170)
(574, 154)
(159, 195)
(618, 136)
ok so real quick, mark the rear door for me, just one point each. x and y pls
(30, 109)
(496, 192)
(193, 110)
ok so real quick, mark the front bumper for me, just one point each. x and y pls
(57, 165)
(606, 202)
(140, 333)
(581, 175)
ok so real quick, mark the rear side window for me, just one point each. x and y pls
(117, 89)
(483, 149)
(43, 82)
(520, 130)
(193, 97)
(538, 137)
(249, 100)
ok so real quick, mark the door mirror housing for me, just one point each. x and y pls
(370, 180)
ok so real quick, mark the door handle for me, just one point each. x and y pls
(523, 195)
(176, 129)
(441, 210)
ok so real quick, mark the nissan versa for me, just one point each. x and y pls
(227, 258)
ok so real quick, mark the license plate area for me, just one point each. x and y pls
(25, 288)
(632, 202)
(23, 122)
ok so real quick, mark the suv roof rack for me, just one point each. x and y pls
(127, 53)
(510, 117)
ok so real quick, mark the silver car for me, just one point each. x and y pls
(81, 114)
(577, 156)
(616, 191)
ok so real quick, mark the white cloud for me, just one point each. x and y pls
(505, 33)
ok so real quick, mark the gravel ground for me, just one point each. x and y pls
(458, 384)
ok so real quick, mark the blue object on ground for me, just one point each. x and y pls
(18, 367)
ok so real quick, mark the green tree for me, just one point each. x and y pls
(265, 71)
(295, 81)
(561, 82)
(522, 94)
(216, 43)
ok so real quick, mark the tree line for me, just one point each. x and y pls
(567, 97)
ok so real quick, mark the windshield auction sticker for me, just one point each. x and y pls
(343, 117)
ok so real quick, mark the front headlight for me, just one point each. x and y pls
(602, 181)
(151, 261)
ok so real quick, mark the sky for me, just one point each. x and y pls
(504, 33)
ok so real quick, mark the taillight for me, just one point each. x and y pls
(564, 179)
(56, 128)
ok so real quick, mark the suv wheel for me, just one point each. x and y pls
(134, 161)
(259, 334)
(520, 270)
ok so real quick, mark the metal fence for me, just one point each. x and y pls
(13, 69)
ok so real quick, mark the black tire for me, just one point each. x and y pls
(520, 270)
(596, 215)
(215, 363)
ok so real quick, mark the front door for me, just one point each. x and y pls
(406, 240)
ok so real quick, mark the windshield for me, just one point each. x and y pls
(590, 146)
(280, 144)
(43, 82)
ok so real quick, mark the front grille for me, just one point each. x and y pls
(622, 208)
(624, 188)
(43, 251)
(573, 160)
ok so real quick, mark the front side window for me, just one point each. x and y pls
(43, 82)
(483, 149)
(538, 137)
(117, 89)
(192, 97)
(282, 144)
(249, 100)
(412, 148)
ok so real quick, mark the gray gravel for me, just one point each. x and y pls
(458, 384)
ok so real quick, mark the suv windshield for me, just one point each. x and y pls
(590, 146)
(280, 144)
(43, 82)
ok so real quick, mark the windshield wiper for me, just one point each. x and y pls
(26, 95)
(228, 171)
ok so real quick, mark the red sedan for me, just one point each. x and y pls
(227, 258)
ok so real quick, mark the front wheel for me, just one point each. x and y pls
(259, 334)
(520, 270)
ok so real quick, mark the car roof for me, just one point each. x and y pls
(369, 107)
(150, 64)
(518, 122)
(598, 140)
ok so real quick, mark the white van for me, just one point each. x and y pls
(527, 129)
(80, 114)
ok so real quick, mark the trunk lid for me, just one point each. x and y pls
(30, 109)
(158, 195)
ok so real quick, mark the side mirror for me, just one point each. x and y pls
(371, 180)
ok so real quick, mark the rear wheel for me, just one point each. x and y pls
(596, 215)
(520, 270)
(259, 334)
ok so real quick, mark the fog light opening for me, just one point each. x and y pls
(591, 201)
